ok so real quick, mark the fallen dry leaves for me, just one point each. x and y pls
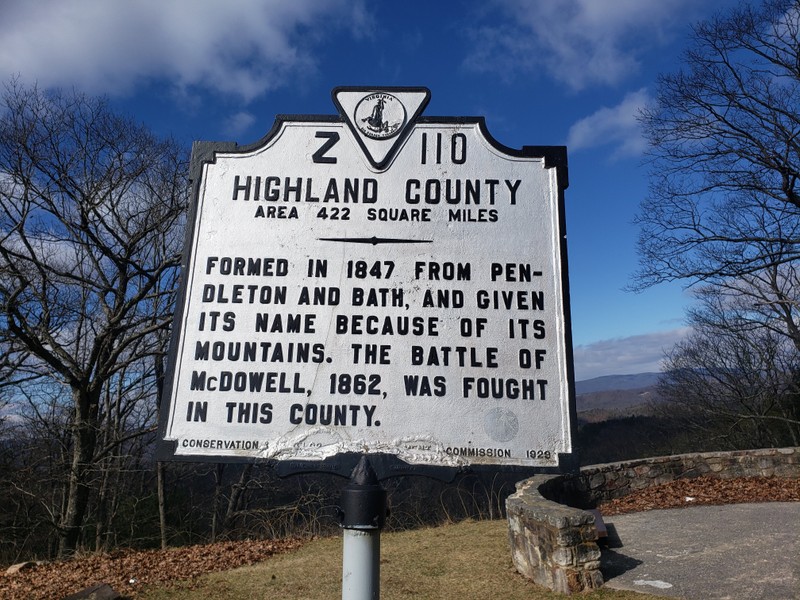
(706, 490)
(127, 570)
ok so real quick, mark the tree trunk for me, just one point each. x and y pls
(218, 472)
(237, 492)
(162, 505)
(102, 512)
(84, 440)
(77, 498)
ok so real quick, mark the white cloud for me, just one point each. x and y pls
(577, 42)
(615, 126)
(241, 48)
(238, 123)
(625, 356)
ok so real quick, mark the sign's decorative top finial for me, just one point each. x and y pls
(380, 118)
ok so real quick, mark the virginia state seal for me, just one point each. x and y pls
(380, 116)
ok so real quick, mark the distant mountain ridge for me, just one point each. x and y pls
(609, 383)
(614, 396)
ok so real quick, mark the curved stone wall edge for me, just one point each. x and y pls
(553, 539)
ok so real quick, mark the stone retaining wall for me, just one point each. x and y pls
(552, 544)
(553, 537)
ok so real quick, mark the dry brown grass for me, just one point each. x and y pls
(466, 561)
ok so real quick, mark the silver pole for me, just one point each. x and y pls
(361, 570)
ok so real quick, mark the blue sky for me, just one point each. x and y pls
(552, 72)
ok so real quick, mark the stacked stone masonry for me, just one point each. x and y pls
(553, 537)
(552, 544)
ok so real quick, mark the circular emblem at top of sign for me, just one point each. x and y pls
(380, 116)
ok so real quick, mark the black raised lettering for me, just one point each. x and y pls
(330, 137)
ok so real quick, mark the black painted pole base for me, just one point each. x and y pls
(363, 515)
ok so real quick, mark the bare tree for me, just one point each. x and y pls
(724, 211)
(91, 209)
(724, 134)
(735, 380)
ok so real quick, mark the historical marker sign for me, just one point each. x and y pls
(374, 282)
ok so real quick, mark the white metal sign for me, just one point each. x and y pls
(375, 282)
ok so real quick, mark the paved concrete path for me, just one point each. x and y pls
(736, 552)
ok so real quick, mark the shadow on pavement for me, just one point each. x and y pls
(612, 562)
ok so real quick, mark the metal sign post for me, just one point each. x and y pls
(373, 282)
(363, 505)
